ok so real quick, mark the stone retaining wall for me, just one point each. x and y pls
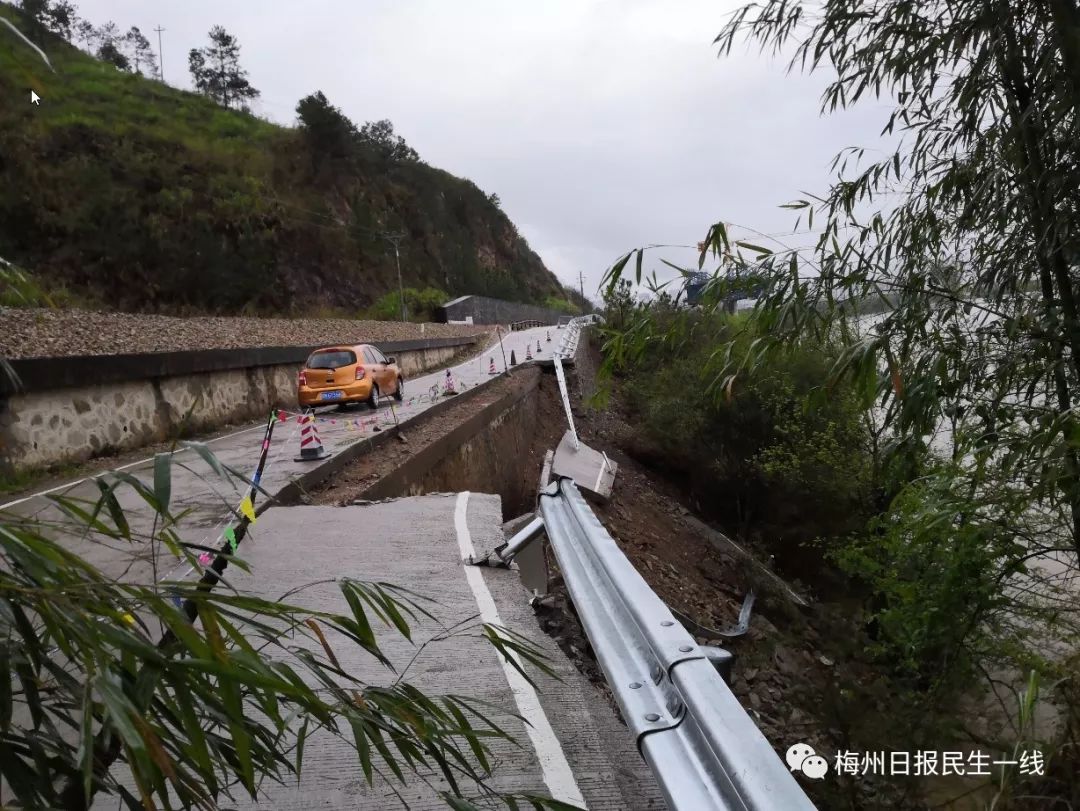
(73, 409)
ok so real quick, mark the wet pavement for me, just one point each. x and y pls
(573, 748)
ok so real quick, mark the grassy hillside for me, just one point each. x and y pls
(131, 194)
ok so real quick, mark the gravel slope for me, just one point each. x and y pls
(28, 333)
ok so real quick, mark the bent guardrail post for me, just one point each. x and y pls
(704, 750)
(522, 538)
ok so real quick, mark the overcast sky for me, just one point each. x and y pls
(601, 124)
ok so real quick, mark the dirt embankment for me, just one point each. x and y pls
(31, 333)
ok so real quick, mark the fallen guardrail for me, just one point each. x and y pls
(701, 745)
(567, 348)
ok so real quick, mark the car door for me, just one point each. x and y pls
(387, 378)
(371, 368)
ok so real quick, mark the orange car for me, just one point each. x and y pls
(349, 374)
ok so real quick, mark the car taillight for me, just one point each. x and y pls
(303, 378)
(359, 372)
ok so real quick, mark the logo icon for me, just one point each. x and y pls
(801, 757)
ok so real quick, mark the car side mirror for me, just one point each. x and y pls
(391, 359)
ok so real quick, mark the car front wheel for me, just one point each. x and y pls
(399, 392)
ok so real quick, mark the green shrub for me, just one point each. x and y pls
(934, 568)
(768, 451)
(420, 305)
(21, 289)
(562, 305)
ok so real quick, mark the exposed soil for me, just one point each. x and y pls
(31, 333)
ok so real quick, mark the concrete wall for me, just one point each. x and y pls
(485, 310)
(486, 453)
(41, 427)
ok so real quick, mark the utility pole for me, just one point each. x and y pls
(160, 56)
(581, 285)
(395, 240)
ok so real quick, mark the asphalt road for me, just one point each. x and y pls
(204, 502)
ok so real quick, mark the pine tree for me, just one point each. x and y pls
(216, 70)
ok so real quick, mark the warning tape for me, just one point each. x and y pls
(224, 536)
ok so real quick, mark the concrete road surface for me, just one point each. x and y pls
(204, 501)
(574, 749)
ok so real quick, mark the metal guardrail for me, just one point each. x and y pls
(528, 323)
(701, 745)
(568, 344)
(567, 348)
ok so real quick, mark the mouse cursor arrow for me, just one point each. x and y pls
(35, 98)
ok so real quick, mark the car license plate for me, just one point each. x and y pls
(331, 395)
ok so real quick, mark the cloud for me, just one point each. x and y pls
(601, 124)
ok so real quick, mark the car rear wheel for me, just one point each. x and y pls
(399, 392)
(373, 398)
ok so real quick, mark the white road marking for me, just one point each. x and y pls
(558, 776)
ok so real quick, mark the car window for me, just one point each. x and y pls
(379, 356)
(368, 356)
(330, 359)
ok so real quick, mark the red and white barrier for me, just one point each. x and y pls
(311, 447)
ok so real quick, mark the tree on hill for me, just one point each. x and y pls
(216, 70)
(110, 44)
(109, 52)
(139, 52)
(392, 147)
(57, 16)
(330, 136)
(87, 34)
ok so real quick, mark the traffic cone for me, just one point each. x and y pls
(549, 336)
(311, 447)
(528, 351)
(538, 349)
(449, 388)
(513, 358)
(491, 366)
